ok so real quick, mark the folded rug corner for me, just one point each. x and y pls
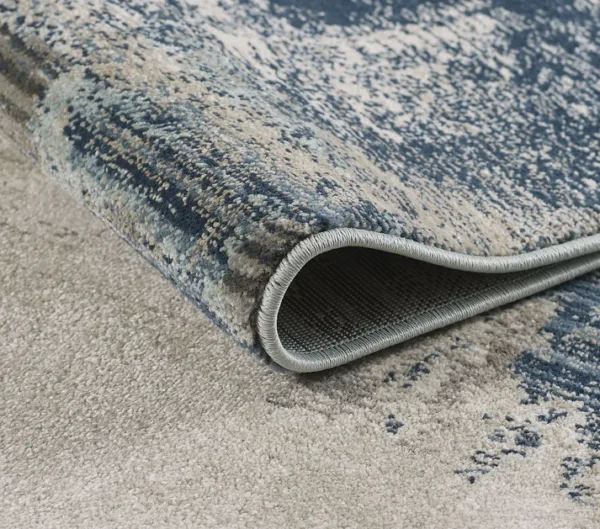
(322, 179)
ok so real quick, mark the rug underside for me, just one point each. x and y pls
(351, 301)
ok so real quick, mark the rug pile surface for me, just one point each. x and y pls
(122, 406)
(324, 180)
(243, 147)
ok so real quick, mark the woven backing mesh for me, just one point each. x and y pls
(352, 293)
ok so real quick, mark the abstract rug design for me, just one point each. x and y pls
(328, 179)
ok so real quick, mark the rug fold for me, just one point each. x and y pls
(346, 293)
(322, 181)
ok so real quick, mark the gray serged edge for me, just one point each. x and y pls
(571, 259)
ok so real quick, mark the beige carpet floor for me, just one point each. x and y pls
(121, 406)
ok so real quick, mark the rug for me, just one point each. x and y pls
(323, 179)
(121, 405)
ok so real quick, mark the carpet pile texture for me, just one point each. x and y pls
(121, 405)
(324, 180)
(243, 146)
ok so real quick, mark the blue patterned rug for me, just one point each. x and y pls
(328, 179)
(324, 179)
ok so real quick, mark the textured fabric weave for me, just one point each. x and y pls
(346, 294)
(216, 135)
